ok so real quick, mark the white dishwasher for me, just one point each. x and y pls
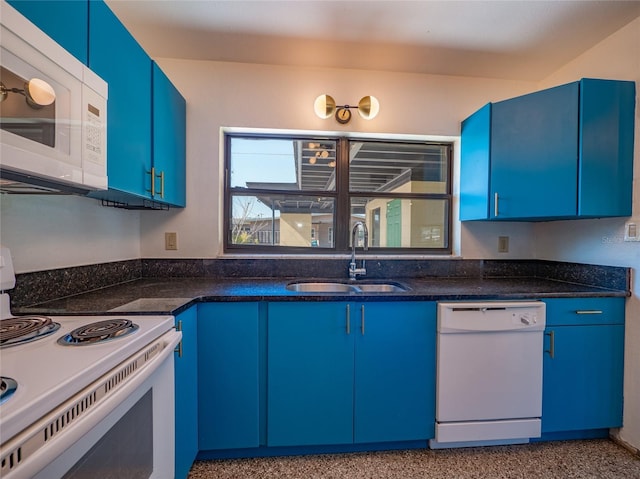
(489, 373)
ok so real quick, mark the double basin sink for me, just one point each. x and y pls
(341, 287)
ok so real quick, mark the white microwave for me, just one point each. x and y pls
(53, 112)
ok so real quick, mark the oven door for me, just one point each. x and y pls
(126, 434)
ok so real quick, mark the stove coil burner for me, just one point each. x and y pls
(7, 387)
(98, 332)
(23, 329)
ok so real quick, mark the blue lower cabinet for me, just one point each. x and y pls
(186, 394)
(228, 376)
(345, 373)
(310, 374)
(395, 358)
(583, 365)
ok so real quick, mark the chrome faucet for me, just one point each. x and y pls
(353, 270)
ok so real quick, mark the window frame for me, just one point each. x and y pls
(342, 196)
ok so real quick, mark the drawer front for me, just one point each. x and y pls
(584, 311)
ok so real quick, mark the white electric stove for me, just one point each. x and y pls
(76, 386)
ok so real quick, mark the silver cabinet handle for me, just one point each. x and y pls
(552, 344)
(589, 311)
(495, 204)
(362, 319)
(179, 346)
(348, 319)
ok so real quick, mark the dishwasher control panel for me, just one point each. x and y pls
(491, 316)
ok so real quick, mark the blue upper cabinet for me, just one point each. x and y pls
(116, 56)
(146, 118)
(607, 113)
(534, 154)
(65, 21)
(169, 140)
(561, 153)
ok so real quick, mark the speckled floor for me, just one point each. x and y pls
(593, 459)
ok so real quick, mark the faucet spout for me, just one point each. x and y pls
(354, 271)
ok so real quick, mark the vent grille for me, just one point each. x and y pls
(74, 410)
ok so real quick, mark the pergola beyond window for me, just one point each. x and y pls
(297, 195)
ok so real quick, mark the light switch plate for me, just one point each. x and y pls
(631, 231)
(503, 244)
(171, 241)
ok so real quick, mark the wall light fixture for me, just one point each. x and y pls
(37, 93)
(325, 106)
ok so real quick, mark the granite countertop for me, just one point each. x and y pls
(174, 295)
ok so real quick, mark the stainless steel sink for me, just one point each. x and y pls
(338, 287)
(381, 288)
(324, 287)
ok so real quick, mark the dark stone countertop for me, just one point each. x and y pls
(174, 295)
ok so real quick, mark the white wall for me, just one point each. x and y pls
(262, 96)
(47, 232)
(601, 241)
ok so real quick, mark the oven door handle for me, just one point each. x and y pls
(33, 462)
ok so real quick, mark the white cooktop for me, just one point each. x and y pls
(48, 373)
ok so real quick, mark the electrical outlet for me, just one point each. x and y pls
(171, 241)
(631, 231)
(503, 244)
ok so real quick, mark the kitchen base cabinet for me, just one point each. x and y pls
(228, 376)
(583, 365)
(395, 372)
(186, 393)
(310, 368)
(344, 373)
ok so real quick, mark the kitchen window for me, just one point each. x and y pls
(296, 194)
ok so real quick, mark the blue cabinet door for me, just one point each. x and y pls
(395, 357)
(583, 364)
(66, 21)
(475, 160)
(116, 56)
(186, 394)
(607, 115)
(534, 155)
(310, 374)
(169, 140)
(228, 376)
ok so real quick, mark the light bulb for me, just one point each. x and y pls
(39, 92)
(324, 106)
(368, 107)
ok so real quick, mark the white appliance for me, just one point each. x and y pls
(97, 409)
(58, 145)
(489, 373)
